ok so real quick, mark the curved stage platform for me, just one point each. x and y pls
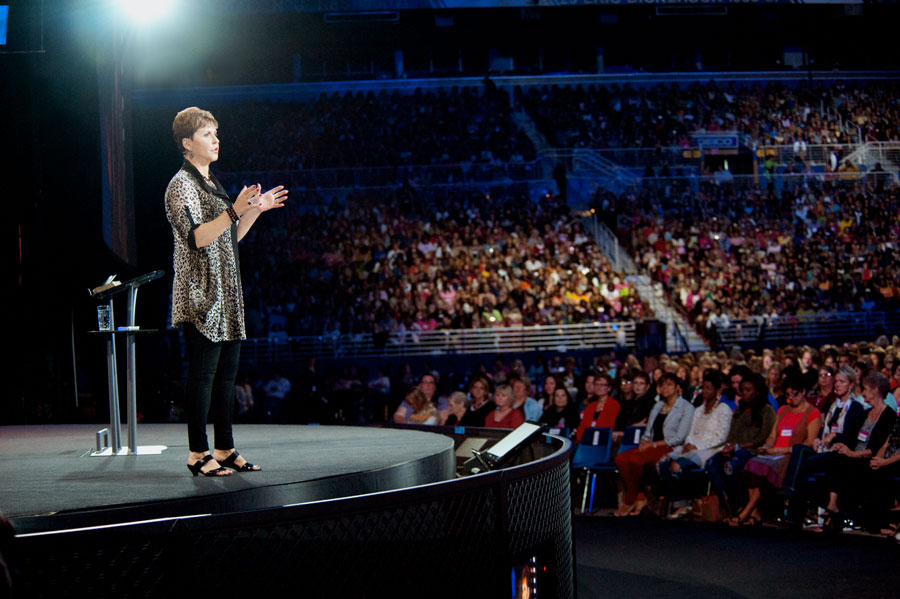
(337, 511)
(51, 482)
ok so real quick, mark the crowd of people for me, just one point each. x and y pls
(467, 125)
(387, 265)
(442, 126)
(800, 427)
(797, 435)
(473, 261)
(815, 247)
(600, 116)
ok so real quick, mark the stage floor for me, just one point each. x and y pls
(48, 470)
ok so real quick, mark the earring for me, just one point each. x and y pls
(190, 154)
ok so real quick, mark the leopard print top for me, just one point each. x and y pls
(206, 286)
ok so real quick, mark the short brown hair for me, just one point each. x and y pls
(877, 381)
(188, 121)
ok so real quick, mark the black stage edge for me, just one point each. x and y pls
(476, 536)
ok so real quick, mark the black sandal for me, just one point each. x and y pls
(752, 521)
(197, 468)
(246, 467)
(834, 521)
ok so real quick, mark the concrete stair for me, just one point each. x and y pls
(680, 336)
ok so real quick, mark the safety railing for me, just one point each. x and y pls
(834, 327)
(811, 153)
(609, 245)
(585, 159)
(679, 195)
(615, 169)
(639, 158)
(559, 338)
(885, 153)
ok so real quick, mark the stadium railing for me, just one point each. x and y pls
(640, 158)
(617, 165)
(560, 338)
(812, 154)
(609, 245)
(885, 152)
(835, 327)
(679, 195)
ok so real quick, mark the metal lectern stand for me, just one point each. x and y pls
(109, 441)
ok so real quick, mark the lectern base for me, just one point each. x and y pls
(141, 450)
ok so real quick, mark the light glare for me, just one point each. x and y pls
(145, 11)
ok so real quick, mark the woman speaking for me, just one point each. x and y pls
(207, 299)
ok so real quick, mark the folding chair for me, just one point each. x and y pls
(631, 438)
(593, 454)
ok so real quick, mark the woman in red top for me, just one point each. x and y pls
(505, 415)
(603, 410)
(798, 422)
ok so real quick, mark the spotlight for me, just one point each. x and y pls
(145, 11)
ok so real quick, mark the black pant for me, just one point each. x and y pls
(863, 494)
(805, 462)
(212, 369)
(850, 478)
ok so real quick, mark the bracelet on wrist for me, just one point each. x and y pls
(232, 214)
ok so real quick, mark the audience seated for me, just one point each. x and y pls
(457, 126)
(840, 426)
(751, 423)
(885, 467)
(504, 415)
(848, 475)
(522, 400)
(560, 411)
(480, 403)
(408, 412)
(422, 410)
(823, 394)
(603, 410)
(457, 409)
(797, 422)
(667, 427)
(710, 426)
(400, 262)
(636, 398)
(812, 249)
(665, 115)
(403, 269)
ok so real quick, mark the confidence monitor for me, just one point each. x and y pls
(503, 450)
